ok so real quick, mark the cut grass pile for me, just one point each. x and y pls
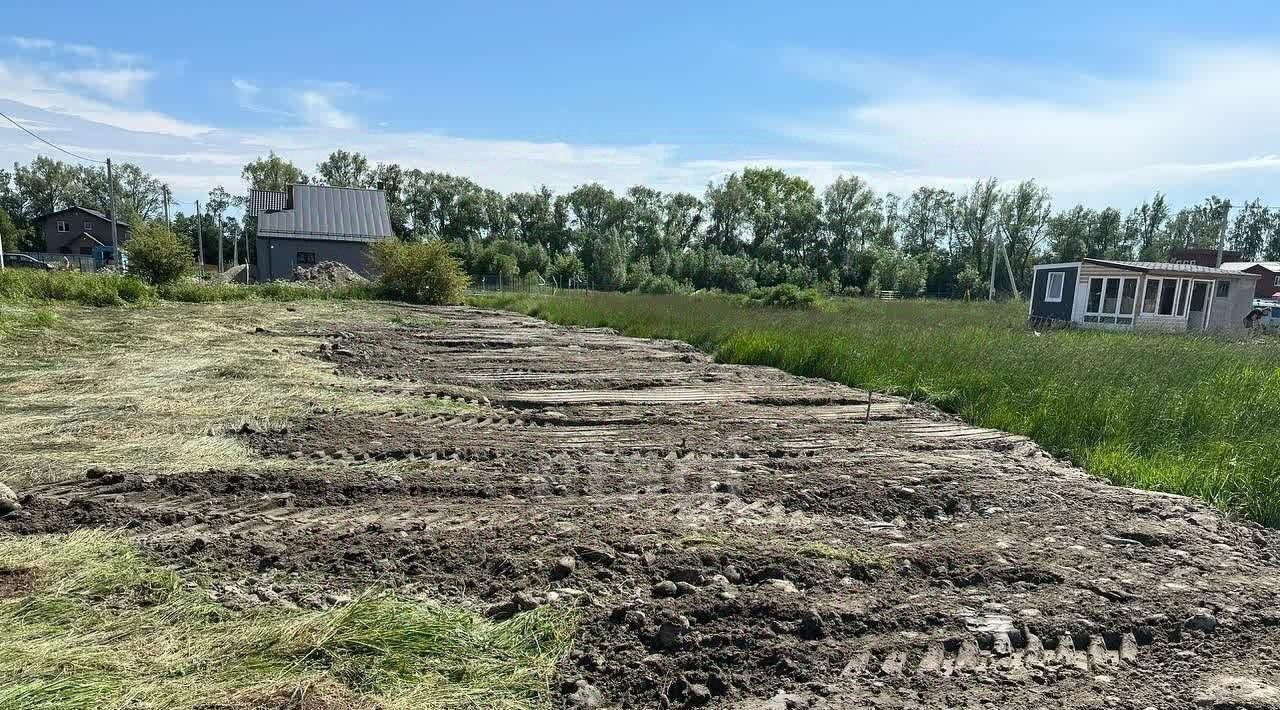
(99, 627)
(158, 387)
(1181, 414)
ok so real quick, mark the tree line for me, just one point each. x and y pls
(756, 227)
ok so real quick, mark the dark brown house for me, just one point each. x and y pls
(1202, 256)
(1268, 272)
(77, 230)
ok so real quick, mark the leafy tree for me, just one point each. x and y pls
(1253, 229)
(272, 173)
(977, 214)
(1144, 228)
(1024, 218)
(46, 185)
(390, 178)
(851, 217)
(343, 169)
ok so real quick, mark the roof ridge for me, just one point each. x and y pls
(336, 187)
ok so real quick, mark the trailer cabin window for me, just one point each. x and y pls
(1151, 296)
(1168, 295)
(1111, 300)
(1053, 289)
(1224, 289)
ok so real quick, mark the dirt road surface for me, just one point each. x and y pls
(733, 537)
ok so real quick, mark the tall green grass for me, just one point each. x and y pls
(103, 290)
(1193, 415)
(100, 627)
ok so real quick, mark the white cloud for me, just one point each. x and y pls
(42, 44)
(317, 108)
(1200, 113)
(31, 86)
(246, 90)
(118, 84)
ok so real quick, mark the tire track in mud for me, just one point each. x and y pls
(735, 536)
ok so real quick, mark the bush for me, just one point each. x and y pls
(157, 256)
(661, 284)
(851, 291)
(785, 296)
(418, 272)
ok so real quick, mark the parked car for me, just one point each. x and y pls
(22, 261)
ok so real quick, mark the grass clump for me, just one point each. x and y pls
(1177, 413)
(103, 628)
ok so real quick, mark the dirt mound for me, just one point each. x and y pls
(732, 537)
(328, 274)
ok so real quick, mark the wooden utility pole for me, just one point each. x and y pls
(218, 223)
(995, 258)
(200, 239)
(115, 241)
(1222, 232)
(165, 190)
(1008, 265)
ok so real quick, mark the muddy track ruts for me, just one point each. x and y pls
(736, 536)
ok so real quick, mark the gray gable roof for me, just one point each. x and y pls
(77, 208)
(323, 212)
(1148, 266)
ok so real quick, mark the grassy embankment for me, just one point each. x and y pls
(89, 624)
(1190, 415)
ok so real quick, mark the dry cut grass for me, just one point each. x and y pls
(159, 388)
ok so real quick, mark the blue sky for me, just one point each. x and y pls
(1104, 103)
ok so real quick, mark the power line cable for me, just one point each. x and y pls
(52, 145)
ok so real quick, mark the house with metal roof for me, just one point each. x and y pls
(307, 224)
(1268, 273)
(1141, 295)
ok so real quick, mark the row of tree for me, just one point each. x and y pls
(757, 227)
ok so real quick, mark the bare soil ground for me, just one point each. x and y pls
(733, 536)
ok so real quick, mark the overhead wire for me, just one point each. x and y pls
(50, 143)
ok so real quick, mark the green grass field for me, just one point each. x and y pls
(1192, 415)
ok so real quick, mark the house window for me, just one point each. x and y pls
(62, 226)
(1111, 300)
(1053, 290)
(306, 257)
(1224, 289)
(88, 226)
(1276, 282)
(1182, 298)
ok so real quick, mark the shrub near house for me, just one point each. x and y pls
(157, 256)
(418, 272)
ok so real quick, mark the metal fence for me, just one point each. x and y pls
(498, 283)
(76, 262)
